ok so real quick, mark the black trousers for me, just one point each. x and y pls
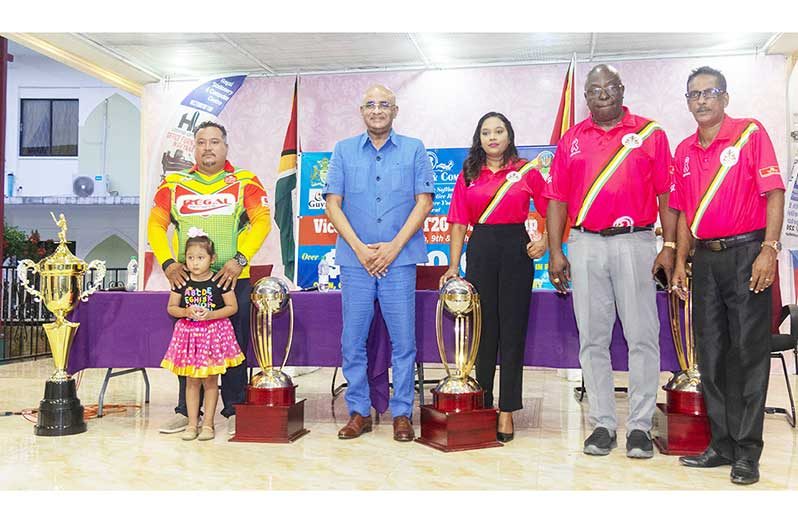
(234, 381)
(498, 266)
(732, 333)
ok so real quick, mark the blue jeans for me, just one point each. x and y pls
(396, 293)
(234, 381)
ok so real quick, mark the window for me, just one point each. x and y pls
(48, 127)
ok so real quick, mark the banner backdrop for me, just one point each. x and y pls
(788, 259)
(317, 235)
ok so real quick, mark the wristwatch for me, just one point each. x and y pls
(773, 244)
(241, 259)
(671, 245)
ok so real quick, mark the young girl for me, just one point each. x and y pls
(203, 344)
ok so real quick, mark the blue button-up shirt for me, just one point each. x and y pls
(378, 190)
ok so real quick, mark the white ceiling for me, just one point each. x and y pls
(142, 58)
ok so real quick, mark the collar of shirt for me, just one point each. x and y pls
(228, 167)
(627, 120)
(512, 166)
(725, 134)
(366, 139)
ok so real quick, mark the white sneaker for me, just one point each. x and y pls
(231, 425)
(177, 423)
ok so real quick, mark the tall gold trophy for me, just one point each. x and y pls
(457, 419)
(271, 413)
(680, 425)
(60, 412)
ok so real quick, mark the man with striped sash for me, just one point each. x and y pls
(610, 176)
(730, 197)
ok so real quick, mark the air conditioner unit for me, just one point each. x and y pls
(84, 185)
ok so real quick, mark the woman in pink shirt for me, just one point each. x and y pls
(492, 193)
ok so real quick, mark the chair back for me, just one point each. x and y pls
(257, 272)
(428, 276)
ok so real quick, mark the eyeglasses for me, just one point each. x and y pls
(612, 90)
(709, 94)
(372, 106)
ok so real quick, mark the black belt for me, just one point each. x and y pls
(615, 231)
(720, 244)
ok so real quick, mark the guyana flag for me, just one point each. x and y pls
(565, 114)
(286, 183)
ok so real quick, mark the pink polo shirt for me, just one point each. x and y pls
(740, 204)
(630, 196)
(468, 203)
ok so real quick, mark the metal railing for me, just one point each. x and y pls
(22, 316)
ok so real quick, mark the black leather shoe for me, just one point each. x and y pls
(504, 437)
(708, 459)
(744, 472)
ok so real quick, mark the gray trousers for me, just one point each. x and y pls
(608, 273)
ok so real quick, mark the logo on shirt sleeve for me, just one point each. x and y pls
(264, 201)
(686, 168)
(769, 171)
(575, 147)
(730, 156)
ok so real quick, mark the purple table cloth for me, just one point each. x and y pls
(132, 330)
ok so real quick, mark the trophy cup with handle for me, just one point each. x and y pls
(457, 419)
(680, 426)
(60, 412)
(271, 413)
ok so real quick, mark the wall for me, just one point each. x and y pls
(35, 76)
(89, 225)
(442, 107)
(114, 250)
(109, 143)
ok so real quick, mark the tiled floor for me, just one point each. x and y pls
(123, 450)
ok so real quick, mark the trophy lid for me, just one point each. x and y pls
(458, 296)
(270, 294)
(62, 260)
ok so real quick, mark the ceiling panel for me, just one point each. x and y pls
(148, 57)
(463, 48)
(297, 52)
(653, 44)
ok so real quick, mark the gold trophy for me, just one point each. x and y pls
(681, 426)
(271, 413)
(457, 419)
(460, 299)
(60, 412)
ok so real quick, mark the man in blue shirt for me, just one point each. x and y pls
(379, 191)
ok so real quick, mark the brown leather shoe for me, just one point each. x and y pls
(356, 426)
(403, 429)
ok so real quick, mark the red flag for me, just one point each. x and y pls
(565, 114)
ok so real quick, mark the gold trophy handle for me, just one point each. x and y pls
(676, 330)
(477, 331)
(22, 275)
(290, 331)
(98, 278)
(256, 334)
(439, 336)
(692, 363)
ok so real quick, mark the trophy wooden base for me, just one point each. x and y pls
(270, 416)
(681, 426)
(456, 422)
(60, 412)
